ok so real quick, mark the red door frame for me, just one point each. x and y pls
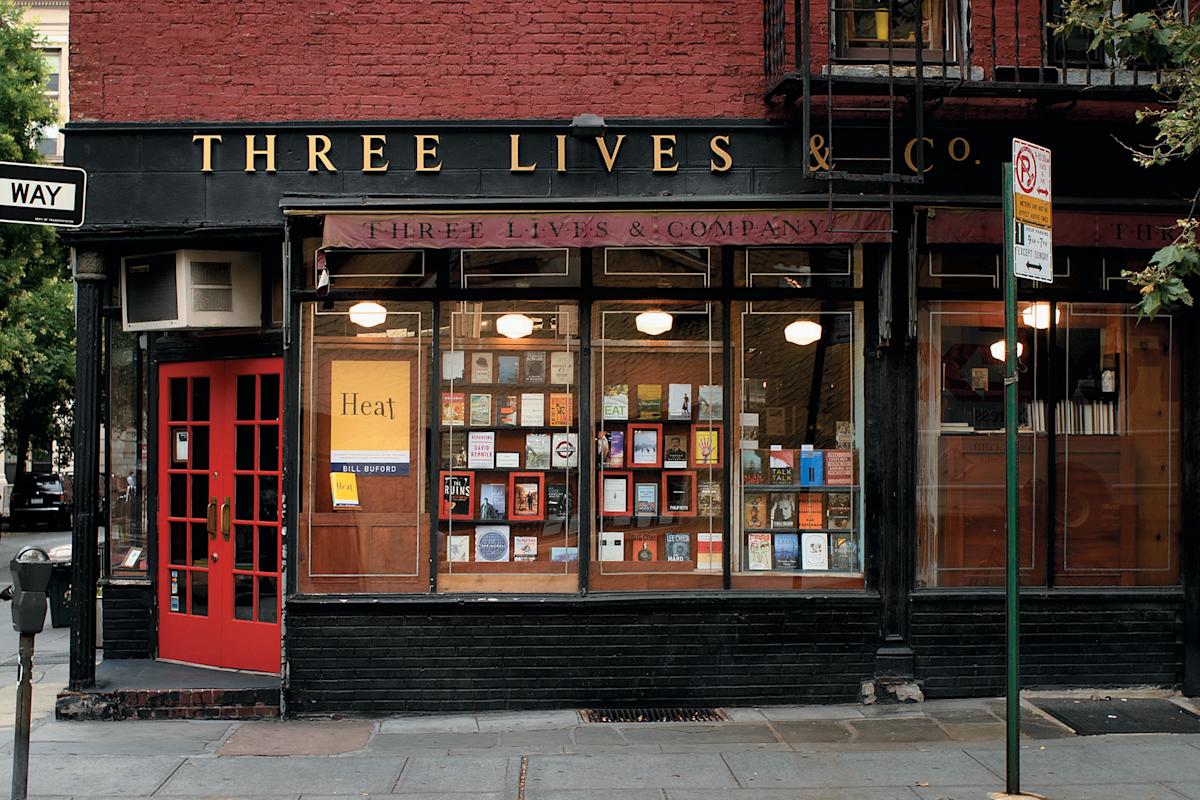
(217, 638)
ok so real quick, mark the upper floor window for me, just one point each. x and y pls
(877, 30)
(48, 144)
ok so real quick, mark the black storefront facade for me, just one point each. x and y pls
(533, 415)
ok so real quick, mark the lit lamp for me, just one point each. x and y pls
(1037, 315)
(802, 332)
(654, 322)
(997, 349)
(367, 315)
(514, 326)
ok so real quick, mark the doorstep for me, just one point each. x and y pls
(148, 689)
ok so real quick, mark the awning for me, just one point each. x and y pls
(1071, 228)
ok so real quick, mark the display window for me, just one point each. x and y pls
(675, 267)
(125, 461)
(1098, 416)
(658, 411)
(363, 520)
(509, 447)
(797, 479)
(838, 267)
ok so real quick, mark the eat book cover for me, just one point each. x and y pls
(615, 403)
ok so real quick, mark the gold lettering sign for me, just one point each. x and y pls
(370, 152)
(427, 150)
(253, 152)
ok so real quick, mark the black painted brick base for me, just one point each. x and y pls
(127, 621)
(121, 704)
(1068, 640)
(397, 657)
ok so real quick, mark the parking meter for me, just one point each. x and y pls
(31, 577)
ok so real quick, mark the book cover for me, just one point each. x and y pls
(615, 456)
(838, 511)
(645, 499)
(481, 368)
(754, 511)
(679, 401)
(645, 548)
(493, 501)
(612, 546)
(839, 467)
(649, 398)
(506, 411)
(712, 402)
(481, 450)
(561, 410)
(752, 467)
(524, 548)
(533, 410)
(675, 456)
(537, 451)
(615, 495)
(615, 403)
(454, 408)
(344, 489)
(491, 543)
(456, 495)
(810, 512)
(758, 547)
(454, 363)
(783, 510)
(708, 499)
(562, 367)
(564, 553)
(508, 369)
(454, 450)
(814, 551)
(458, 548)
(679, 547)
(564, 450)
(558, 501)
(843, 552)
(710, 549)
(749, 432)
(645, 443)
(680, 493)
(481, 410)
(783, 466)
(527, 499)
(812, 468)
(787, 550)
(535, 366)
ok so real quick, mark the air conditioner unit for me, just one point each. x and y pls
(191, 289)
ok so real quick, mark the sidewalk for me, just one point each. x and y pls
(941, 749)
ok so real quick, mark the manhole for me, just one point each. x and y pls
(1098, 716)
(653, 715)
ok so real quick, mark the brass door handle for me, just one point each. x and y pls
(225, 519)
(212, 517)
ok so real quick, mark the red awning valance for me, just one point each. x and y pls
(1071, 228)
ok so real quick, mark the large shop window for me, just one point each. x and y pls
(125, 462)
(1099, 445)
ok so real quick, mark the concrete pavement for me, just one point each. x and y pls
(936, 751)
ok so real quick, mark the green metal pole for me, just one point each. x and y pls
(1012, 530)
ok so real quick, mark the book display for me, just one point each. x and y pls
(510, 452)
(659, 440)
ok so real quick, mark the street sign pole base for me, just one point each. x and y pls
(1022, 796)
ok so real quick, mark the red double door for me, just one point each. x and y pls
(220, 500)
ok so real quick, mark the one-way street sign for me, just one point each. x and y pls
(32, 194)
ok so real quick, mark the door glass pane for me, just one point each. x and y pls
(199, 544)
(245, 396)
(269, 401)
(179, 497)
(178, 401)
(243, 547)
(243, 500)
(268, 599)
(199, 593)
(199, 447)
(268, 448)
(268, 498)
(178, 543)
(199, 496)
(200, 390)
(244, 447)
(268, 549)
(243, 597)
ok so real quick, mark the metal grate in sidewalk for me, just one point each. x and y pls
(634, 715)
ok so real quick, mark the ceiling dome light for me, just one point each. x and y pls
(514, 326)
(1037, 315)
(802, 332)
(997, 349)
(654, 322)
(367, 315)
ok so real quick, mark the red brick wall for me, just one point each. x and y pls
(159, 60)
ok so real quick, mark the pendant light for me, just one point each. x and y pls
(367, 314)
(997, 349)
(802, 332)
(514, 326)
(1037, 315)
(653, 323)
